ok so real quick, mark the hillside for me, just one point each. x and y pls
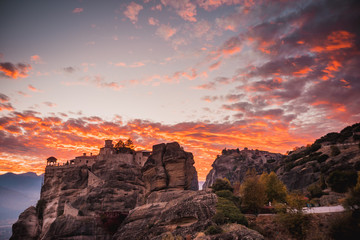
(301, 167)
(332, 152)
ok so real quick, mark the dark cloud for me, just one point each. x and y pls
(10, 70)
(4, 98)
(69, 69)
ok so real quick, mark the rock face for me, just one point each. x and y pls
(233, 164)
(27, 226)
(169, 167)
(298, 169)
(334, 151)
(233, 232)
(90, 201)
(181, 212)
(110, 185)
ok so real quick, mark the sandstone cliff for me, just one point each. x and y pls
(233, 164)
(82, 201)
(169, 167)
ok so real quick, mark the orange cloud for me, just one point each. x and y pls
(335, 41)
(153, 21)
(132, 11)
(78, 10)
(14, 71)
(133, 65)
(184, 8)
(165, 31)
(36, 59)
(45, 136)
(34, 89)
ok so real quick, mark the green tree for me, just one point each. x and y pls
(274, 188)
(341, 181)
(353, 199)
(253, 192)
(222, 184)
(334, 150)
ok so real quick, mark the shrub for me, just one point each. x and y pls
(226, 211)
(224, 194)
(40, 207)
(222, 184)
(340, 181)
(314, 147)
(315, 191)
(345, 226)
(295, 223)
(334, 150)
(322, 158)
(213, 229)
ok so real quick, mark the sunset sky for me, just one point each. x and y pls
(210, 74)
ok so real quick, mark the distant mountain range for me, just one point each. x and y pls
(17, 192)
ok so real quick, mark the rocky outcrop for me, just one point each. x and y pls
(300, 168)
(78, 195)
(27, 226)
(181, 212)
(169, 167)
(232, 232)
(233, 164)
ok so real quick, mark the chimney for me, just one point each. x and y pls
(84, 154)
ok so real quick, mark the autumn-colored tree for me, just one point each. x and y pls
(274, 188)
(253, 192)
(119, 144)
(129, 144)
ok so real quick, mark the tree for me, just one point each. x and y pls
(119, 144)
(341, 181)
(275, 189)
(253, 192)
(222, 184)
(334, 150)
(129, 144)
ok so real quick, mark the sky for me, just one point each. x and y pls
(209, 74)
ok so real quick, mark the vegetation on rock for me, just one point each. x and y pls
(341, 181)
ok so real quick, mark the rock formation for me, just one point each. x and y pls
(169, 166)
(180, 212)
(27, 227)
(233, 164)
(171, 205)
(81, 201)
(300, 168)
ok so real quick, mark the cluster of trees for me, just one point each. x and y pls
(256, 191)
(124, 147)
(252, 195)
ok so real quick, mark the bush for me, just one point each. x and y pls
(40, 207)
(314, 147)
(345, 226)
(341, 181)
(322, 158)
(213, 229)
(225, 194)
(295, 223)
(315, 191)
(334, 151)
(226, 211)
(222, 184)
